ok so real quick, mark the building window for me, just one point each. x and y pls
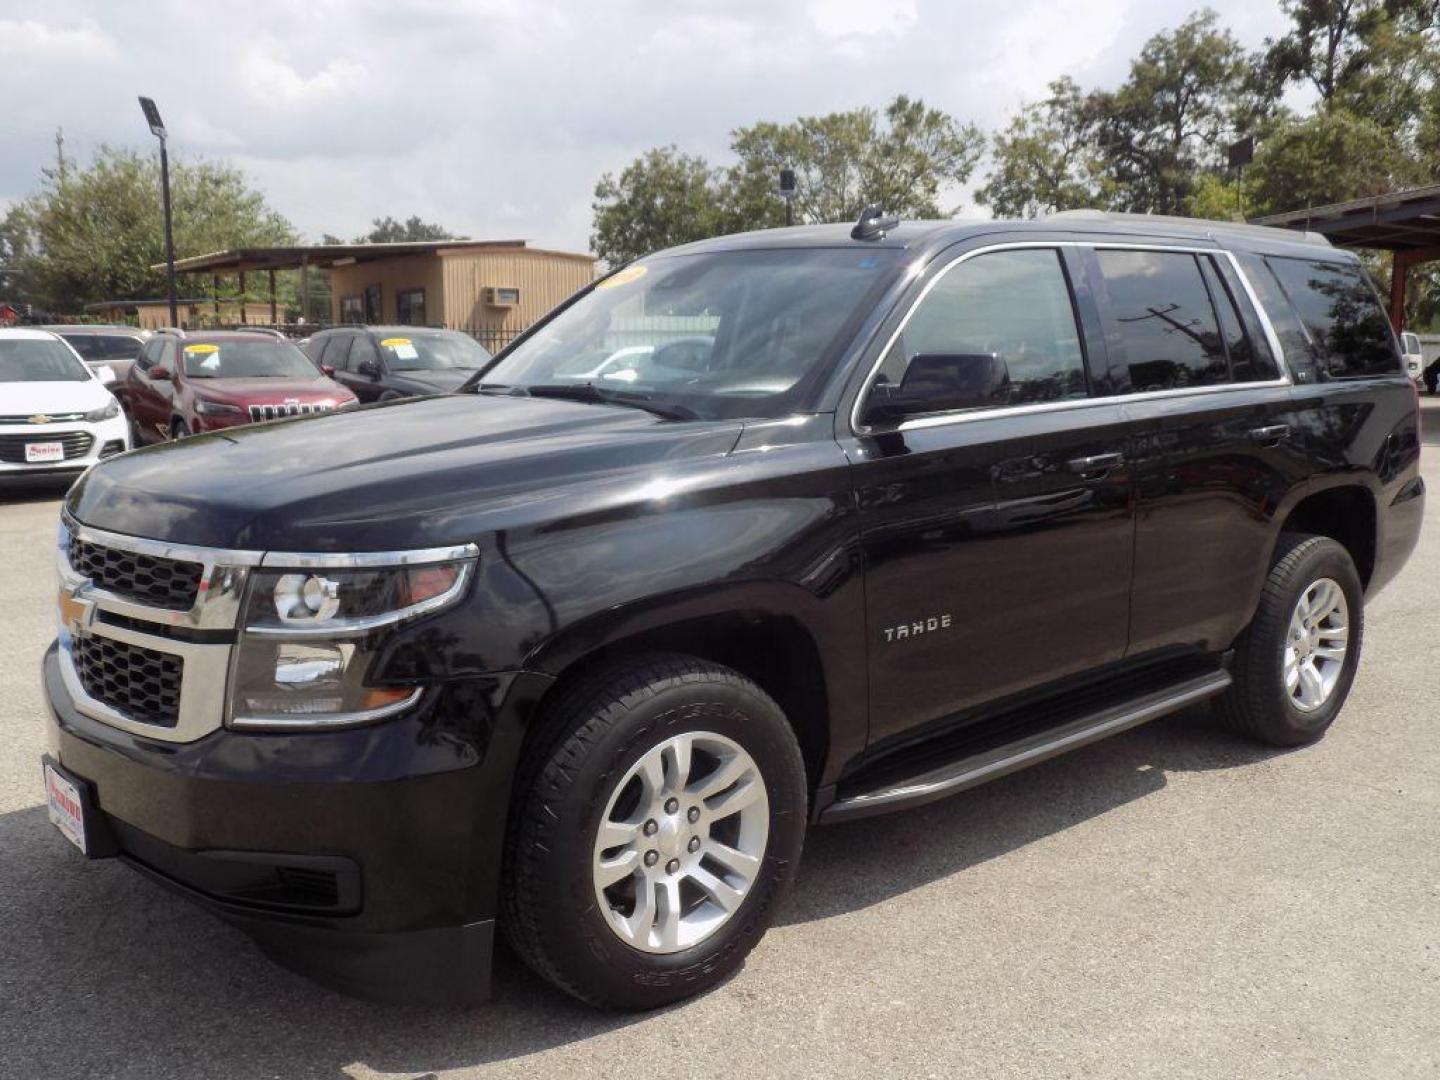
(410, 307)
(352, 309)
(373, 311)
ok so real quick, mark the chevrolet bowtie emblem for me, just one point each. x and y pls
(40, 419)
(76, 613)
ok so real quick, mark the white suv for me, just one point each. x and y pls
(57, 417)
(1414, 358)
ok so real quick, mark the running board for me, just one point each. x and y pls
(972, 771)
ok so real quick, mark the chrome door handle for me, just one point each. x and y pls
(1271, 434)
(1095, 463)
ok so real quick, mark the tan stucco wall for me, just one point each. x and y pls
(393, 275)
(544, 279)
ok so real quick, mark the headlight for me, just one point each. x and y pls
(311, 637)
(206, 407)
(108, 411)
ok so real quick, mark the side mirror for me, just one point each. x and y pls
(941, 382)
(370, 369)
(160, 374)
(328, 370)
(105, 373)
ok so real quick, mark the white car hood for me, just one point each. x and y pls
(32, 398)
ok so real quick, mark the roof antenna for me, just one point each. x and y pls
(873, 224)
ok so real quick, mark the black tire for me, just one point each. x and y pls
(597, 730)
(1257, 704)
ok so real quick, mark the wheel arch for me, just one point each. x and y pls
(776, 650)
(1345, 511)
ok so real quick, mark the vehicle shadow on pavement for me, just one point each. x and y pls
(103, 972)
(852, 866)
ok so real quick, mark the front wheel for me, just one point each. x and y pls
(1296, 661)
(658, 824)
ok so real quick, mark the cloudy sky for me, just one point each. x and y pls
(496, 117)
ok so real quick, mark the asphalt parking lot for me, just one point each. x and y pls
(1172, 902)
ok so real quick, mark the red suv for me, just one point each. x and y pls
(203, 382)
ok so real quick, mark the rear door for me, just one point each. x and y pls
(1212, 424)
(996, 555)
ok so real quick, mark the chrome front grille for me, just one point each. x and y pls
(165, 583)
(76, 444)
(147, 629)
(259, 413)
(141, 683)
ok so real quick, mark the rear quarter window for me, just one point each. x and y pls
(1341, 315)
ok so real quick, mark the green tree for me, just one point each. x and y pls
(95, 233)
(901, 157)
(387, 230)
(660, 199)
(1046, 159)
(1171, 118)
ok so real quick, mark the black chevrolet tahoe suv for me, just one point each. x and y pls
(765, 532)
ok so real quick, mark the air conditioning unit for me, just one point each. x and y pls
(499, 296)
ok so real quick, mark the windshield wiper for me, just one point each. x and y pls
(669, 410)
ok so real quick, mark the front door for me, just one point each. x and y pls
(149, 399)
(996, 540)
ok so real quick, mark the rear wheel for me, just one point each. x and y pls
(1296, 661)
(658, 823)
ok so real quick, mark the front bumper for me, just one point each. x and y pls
(107, 438)
(367, 859)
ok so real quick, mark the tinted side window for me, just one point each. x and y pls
(1165, 332)
(149, 354)
(1012, 304)
(1342, 316)
(119, 346)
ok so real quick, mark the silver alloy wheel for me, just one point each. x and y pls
(1316, 644)
(681, 842)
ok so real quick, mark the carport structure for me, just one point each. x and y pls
(1405, 223)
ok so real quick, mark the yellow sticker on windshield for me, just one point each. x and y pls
(395, 342)
(623, 277)
(202, 348)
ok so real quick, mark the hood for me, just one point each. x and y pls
(32, 398)
(417, 473)
(269, 391)
(441, 380)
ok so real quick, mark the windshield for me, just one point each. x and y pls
(247, 360)
(105, 346)
(430, 352)
(728, 334)
(39, 360)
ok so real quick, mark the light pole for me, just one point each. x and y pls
(157, 128)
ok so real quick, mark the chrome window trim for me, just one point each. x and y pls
(340, 628)
(858, 427)
(360, 560)
(327, 723)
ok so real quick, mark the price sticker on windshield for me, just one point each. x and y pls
(624, 277)
(202, 349)
(403, 347)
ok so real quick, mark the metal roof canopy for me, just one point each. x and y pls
(1400, 221)
(241, 260)
(1406, 223)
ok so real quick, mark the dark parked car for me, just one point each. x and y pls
(186, 385)
(919, 505)
(382, 363)
(115, 347)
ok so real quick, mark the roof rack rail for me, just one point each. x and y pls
(1197, 224)
(173, 331)
(873, 224)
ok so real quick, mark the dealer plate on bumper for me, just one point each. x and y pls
(67, 812)
(39, 452)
